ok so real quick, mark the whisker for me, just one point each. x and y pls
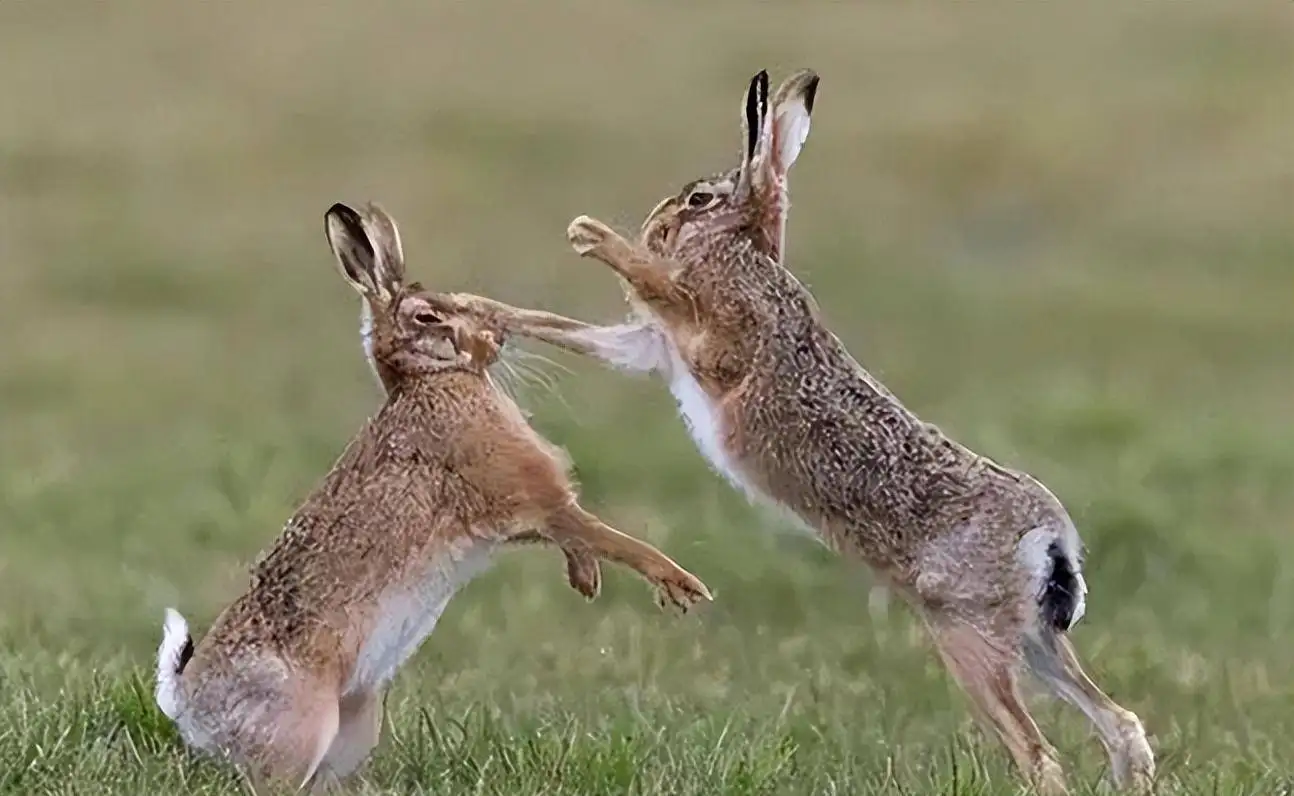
(519, 360)
(532, 356)
(547, 381)
(531, 370)
(504, 377)
(534, 377)
(518, 376)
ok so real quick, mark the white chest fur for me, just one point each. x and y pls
(643, 345)
(366, 337)
(408, 613)
(703, 420)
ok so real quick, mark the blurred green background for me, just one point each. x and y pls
(1063, 233)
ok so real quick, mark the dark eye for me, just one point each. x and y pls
(700, 199)
(426, 317)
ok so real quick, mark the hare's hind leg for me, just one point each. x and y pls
(283, 734)
(302, 737)
(987, 671)
(266, 719)
(572, 525)
(358, 731)
(1052, 659)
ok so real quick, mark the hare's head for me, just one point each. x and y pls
(750, 200)
(407, 330)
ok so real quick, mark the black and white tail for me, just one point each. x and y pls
(1061, 601)
(172, 655)
(1053, 559)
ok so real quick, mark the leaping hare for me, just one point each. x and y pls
(289, 681)
(986, 554)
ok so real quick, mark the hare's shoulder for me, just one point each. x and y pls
(510, 464)
(477, 452)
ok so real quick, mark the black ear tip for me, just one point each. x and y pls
(343, 213)
(811, 93)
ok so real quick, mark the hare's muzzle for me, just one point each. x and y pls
(660, 230)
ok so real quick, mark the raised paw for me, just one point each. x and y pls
(681, 589)
(584, 572)
(588, 235)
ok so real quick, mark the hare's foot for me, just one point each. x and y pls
(583, 572)
(1133, 766)
(647, 275)
(679, 588)
(1132, 763)
(591, 238)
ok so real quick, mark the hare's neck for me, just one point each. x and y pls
(366, 340)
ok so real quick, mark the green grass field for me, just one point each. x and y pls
(1065, 234)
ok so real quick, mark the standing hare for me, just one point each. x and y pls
(986, 555)
(289, 681)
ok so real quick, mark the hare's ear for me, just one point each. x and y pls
(785, 129)
(384, 235)
(368, 250)
(762, 187)
(788, 122)
(754, 108)
(356, 257)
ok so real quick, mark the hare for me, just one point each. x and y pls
(987, 556)
(289, 681)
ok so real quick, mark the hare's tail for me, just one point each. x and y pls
(1062, 596)
(172, 656)
(1055, 565)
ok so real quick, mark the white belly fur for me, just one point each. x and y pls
(408, 614)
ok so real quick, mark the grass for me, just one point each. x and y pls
(1062, 233)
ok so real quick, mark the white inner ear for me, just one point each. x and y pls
(792, 121)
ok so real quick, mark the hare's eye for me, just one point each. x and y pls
(700, 199)
(426, 317)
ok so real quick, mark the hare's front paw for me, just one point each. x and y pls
(682, 589)
(588, 235)
(584, 572)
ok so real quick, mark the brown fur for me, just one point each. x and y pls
(289, 680)
(979, 549)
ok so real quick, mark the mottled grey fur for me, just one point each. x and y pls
(986, 554)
